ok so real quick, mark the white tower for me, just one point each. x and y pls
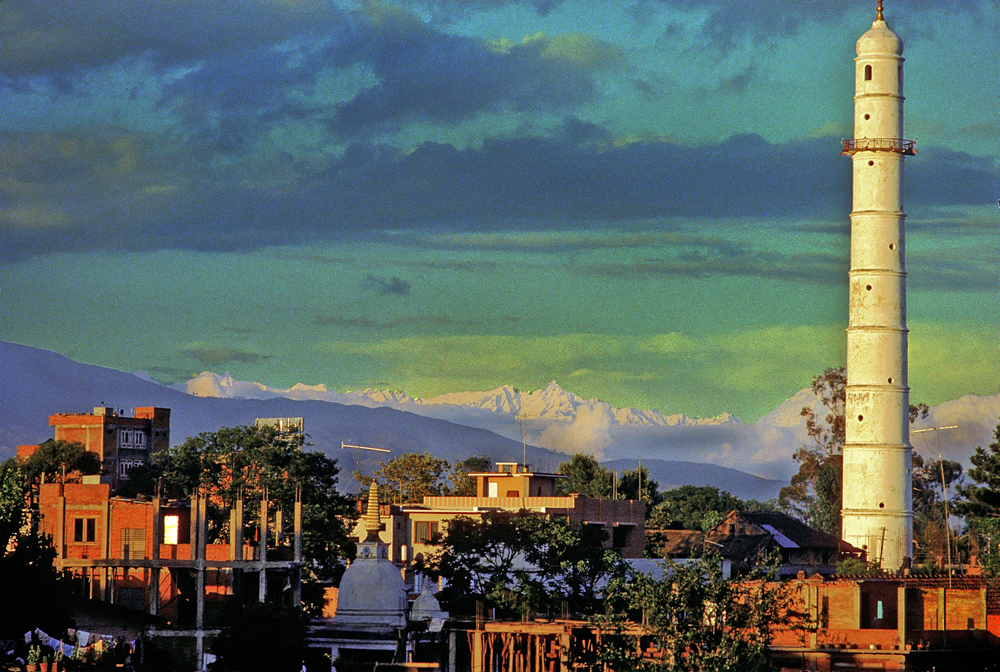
(877, 506)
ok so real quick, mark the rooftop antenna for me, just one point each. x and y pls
(944, 486)
(344, 446)
(523, 417)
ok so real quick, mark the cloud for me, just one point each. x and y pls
(99, 198)
(588, 432)
(423, 74)
(210, 355)
(343, 322)
(942, 176)
(725, 22)
(453, 9)
(679, 371)
(385, 286)
(59, 38)
(702, 256)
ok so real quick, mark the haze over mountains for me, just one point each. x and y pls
(552, 422)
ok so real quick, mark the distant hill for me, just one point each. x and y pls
(747, 460)
(37, 383)
(670, 474)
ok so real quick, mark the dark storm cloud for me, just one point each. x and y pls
(447, 9)
(429, 75)
(385, 286)
(344, 322)
(704, 257)
(766, 20)
(519, 183)
(408, 321)
(942, 176)
(53, 37)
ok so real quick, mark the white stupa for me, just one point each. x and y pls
(372, 597)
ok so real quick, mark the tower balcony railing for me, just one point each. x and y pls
(898, 145)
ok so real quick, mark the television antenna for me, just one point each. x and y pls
(523, 418)
(357, 465)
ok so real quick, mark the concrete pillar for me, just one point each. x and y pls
(297, 549)
(154, 573)
(198, 555)
(262, 549)
(477, 651)
(901, 615)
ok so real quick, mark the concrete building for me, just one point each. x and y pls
(121, 441)
(408, 528)
(153, 556)
(877, 510)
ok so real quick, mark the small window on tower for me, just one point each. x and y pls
(868, 73)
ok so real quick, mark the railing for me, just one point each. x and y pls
(898, 145)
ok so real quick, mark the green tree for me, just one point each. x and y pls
(815, 491)
(251, 461)
(981, 504)
(585, 476)
(634, 479)
(697, 619)
(982, 496)
(930, 522)
(13, 501)
(692, 507)
(477, 557)
(571, 562)
(410, 477)
(463, 485)
(54, 458)
(28, 581)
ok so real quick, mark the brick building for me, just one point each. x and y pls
(905, 623)
(153, 556)
(121, 441)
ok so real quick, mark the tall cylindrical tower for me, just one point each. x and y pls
(877, 506)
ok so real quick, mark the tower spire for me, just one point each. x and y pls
(878, 14)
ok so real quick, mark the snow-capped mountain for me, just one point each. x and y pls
(552, 403)
(546, 424)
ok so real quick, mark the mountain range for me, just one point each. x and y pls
(505, 424)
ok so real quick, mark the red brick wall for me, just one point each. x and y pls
(83, 501)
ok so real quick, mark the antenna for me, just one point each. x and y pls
(523, 417)
(357, 465)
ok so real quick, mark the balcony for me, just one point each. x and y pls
(897, 145)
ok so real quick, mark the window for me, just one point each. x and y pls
(868, 73)
(85, 530)
(620, 535)
(423, 530)
(171, 529)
